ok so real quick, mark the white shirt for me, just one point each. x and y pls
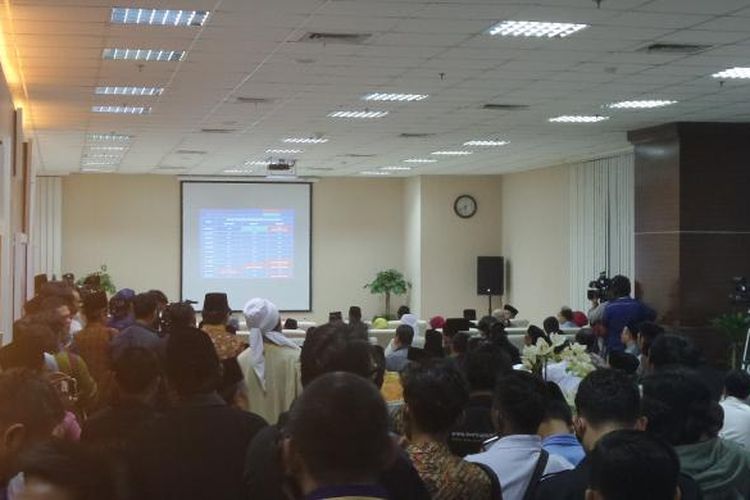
(513, 459)
(736, 421)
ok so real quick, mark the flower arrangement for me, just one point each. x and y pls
(536, 357)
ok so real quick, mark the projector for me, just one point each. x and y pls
(282, 167)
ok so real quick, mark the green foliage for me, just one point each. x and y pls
(734, 326)
(390, 281)
(105, 280)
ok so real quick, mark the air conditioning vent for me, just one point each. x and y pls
(506, 107)
(416, 135)
(674, 48)
(190, 152)
(345, 38)
(254, 100)
(218, 130)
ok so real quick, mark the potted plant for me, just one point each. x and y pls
(734, 326)
(389, 282)
(99, 279)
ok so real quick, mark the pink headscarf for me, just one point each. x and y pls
(437, 322)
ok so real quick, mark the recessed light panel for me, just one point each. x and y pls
(123, 110)
(139, 91)
(305, 140)
(158, 17)
(98, 137)
(420, 160)
(643, 104)
(374, 173)
(257, 163)
(452, 153)
(380, 96)
(238, 171)
(733, 73)
(107, 148)
(535, 29)
(118, 54)
(481, 143)
(396, 168)
(358, 114)
(284, 151)
(578, 119)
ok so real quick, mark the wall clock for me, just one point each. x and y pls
(465, 206)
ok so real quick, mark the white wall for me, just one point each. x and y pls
(413, 242)
(536, 240)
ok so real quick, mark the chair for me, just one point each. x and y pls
(470, 314)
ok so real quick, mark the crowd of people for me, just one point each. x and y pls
(130, 397)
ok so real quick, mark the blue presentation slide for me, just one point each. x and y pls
(247, 244)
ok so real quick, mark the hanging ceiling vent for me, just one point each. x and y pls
(674, 48)
(253, 100)
(416, 135)
(218, 130)
(341, 38)
(505, 107)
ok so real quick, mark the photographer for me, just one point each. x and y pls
(622, 310)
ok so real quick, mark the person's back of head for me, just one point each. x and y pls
(338, 433)
(519, 403)
(95, 306)
(647, 333)
(606, 399)
(30, 409)
(144, 306)
(486, 323)
(216, 308)
(534, 333)
(484, 365)
(433, 344)
(621, 360)
(178, 316)
(435, 394)
(404, 335)
(551, 325)
(35, 330)
(137, 372)
(332, 348)
(403, 310)
(192, 365)
(670, 350)
(566, 313)
(679, 407)
(737, 384)
(121, 303)
(62, 469)
(355, 314)
(557, 407)
(512, 310)
(620, 286)
(460, 343)
(629, 464)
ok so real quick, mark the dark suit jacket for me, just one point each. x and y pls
(195, 451)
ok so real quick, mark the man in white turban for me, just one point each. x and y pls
(271, 364)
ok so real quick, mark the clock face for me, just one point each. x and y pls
(465, 206)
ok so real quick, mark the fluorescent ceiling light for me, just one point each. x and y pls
(305, 140)
(143, 54)
(395, 168)
(257, 163)
(103, 155)
(124, 110)
(97, 170)
(96, 137)
(129, 90)
(107, 148)
(578, 119)
(284, 151)
(420, 160)
(380, 96)
(98, 163)
(452, 153)
(374, 173)
(158, 17)
(733, 73)
(485, 143)
(238, 171)
(644, 104)
(358, 114)
(535, 29)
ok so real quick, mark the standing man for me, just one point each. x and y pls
(622, 310)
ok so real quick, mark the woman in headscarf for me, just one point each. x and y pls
(271, 364)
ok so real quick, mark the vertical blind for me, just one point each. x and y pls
(601, 222)
(47, 228)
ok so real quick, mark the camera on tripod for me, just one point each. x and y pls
(741, 293)
(599, 288)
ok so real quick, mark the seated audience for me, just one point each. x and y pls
(197, 449)
(338, 442)
(630, 464)
(502, 316)
(647, 333)
(435, 394)
(92, 343)
(459, 347)
(533, 334)
(556, 429)
(580, 319)
(215, 314)
(143, 332)
(680, 409)
(512, 311)
(629, 338)
(621, 360)
(433, 344)
(437, 322)
(607, 400)
(566, 318)
(121, 309)
(670, 350)
(398, 358)
(517, 457)
(621, 311)
(359, 328)
(401, 311)
(61, 470)
(271, 364)
(483, 366)
(736, 410)
(30, 409)
(412, 321)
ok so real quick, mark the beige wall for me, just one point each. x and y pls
(536, 240)
(413, 243)
(450, 245)
(132, 224)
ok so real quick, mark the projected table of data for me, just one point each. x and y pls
(247, 244)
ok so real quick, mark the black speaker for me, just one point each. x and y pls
(490, 276)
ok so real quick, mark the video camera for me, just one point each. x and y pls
(599, 288)
(741, 293)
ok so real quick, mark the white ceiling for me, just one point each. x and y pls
(248, 48)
